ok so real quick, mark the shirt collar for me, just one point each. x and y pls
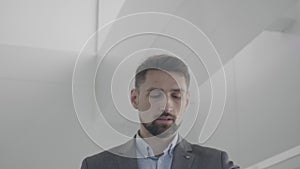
(144, 150)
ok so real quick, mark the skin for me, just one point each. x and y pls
(162, 93)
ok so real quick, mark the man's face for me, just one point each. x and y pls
(161, 101)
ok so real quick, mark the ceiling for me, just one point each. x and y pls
(66, 25)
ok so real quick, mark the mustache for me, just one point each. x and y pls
(166, 114)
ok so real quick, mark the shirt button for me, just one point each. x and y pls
(187, 157)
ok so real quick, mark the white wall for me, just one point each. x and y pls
(267, 91)
(47, 24)
(261, 117)
(40, 41)
(38, 125)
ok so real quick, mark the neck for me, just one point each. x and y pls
(157, 144)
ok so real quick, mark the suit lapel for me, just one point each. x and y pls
(127, 155)
(183, 157)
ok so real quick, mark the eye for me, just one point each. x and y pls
(156, 94)
(176, 96)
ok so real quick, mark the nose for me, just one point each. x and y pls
(169, 104)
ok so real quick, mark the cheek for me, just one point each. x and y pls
(149, 110)
(157, 104)
(152, 105)
(181, 108)
(143, 105)
(180, 116)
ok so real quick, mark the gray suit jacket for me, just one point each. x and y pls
(186, 156)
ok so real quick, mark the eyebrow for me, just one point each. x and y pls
(172, 90)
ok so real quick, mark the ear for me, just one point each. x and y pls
(187, 100)
(134, 98)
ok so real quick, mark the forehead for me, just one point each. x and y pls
(164, 79)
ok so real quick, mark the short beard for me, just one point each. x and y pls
(161, 130)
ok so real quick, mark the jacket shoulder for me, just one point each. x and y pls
(213, 156)
(108, 158)
(198, 149)
(100, 160)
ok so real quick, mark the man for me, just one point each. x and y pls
(161, 97)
